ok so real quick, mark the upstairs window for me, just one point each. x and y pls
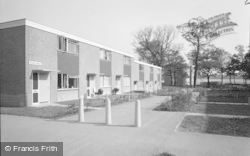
(68, 45)
(151, 70)
(62, 43)
(127, 60)
(105, 55)
(73, 46)
(141, 68)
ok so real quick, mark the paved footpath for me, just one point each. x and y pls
(95, 138)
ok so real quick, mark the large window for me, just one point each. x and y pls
(105, 81)
(68, 45)
(64, 81)
(105, 55)
(127, 60)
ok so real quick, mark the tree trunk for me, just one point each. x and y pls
(190, 81)
(196, 61)
(230, 79)
(171, 79)
(175, 79)
(208, 83)
(234, 78)
(222, 79)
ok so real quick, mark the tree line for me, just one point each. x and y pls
(157, 46)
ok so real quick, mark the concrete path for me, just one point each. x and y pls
(95, 138)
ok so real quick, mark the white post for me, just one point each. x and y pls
(137, 113)
(129, 98)
(81, 109)
(108, 112)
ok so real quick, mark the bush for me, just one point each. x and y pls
(179, 102)
(99, 92)
(115, 90)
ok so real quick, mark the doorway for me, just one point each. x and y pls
(40, 87)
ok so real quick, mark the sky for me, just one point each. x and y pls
(113, 23)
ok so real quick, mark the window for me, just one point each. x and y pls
(73, 83)
(127, 60)
(151, 69)
(105, 81)
(141, 67)
(68, 45)
(73, 46)
(62, 43)
(105, 55)
(64, 81)
(126, 81)
(59, 81)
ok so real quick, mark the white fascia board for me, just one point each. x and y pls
(146, 64)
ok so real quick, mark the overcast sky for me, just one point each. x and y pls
(113, 22)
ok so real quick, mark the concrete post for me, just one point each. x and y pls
(108, 112)
(129, 98)
(81, 109)
(137, 113)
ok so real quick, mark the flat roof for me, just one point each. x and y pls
(26, 22)
(57, 32)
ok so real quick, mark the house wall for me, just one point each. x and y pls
(117, 69)
(41, 46)
(134, 73)
(89, 63)
(12, 66)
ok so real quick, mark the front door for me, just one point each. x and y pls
(146, 86)
(91, 85)
(35, 89)
(44, 87)
(118, 84)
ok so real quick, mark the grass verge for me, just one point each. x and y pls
(225, 109)
(216, 125)
(180, 102)
(48, 112)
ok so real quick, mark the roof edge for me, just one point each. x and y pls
(26, 22)
(147, 64)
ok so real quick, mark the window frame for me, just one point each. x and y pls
(103, 84)
(141, 67)
(65, 42)
(105, 55)
(127, 60)
(66, 83)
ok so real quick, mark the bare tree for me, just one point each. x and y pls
(153, 46)
(199, 32)
(175, 63)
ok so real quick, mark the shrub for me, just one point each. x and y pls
(99, 92)
(115, 90)
(179, 102)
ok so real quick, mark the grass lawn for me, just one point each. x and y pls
(241, 99)
(216, 125)
(226, 109)
(49, 112)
